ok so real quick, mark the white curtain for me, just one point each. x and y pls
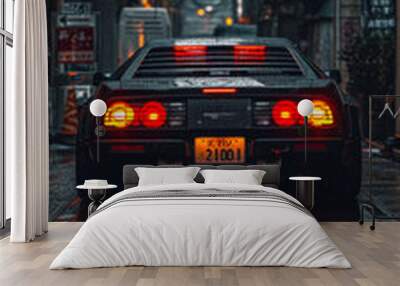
(27, 147)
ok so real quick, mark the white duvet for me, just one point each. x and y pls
(193, 231)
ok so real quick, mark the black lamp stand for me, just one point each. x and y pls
(305, 145)
(100, 131)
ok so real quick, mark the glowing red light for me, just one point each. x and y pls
(72, 73)
(247, 52)
(127, 148)
(190, 51)
(284, 113)
(153, 114)
(249, 48)
(219, 90)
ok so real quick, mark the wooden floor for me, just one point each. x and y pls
(375, 257)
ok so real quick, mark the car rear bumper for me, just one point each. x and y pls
(327, 157)
(258, 150)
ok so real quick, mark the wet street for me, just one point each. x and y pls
(64, 203)
(385, 185)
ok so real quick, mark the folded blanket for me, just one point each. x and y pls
(206, 194)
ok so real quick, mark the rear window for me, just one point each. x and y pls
(240, 60)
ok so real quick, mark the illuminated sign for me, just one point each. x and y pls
(379, 15)
(76, 39)
(75, 45)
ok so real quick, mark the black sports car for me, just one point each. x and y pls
(223, 101)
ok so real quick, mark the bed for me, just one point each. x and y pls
(197, 224)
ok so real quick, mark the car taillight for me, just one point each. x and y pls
(247, 52)
(120, 115)
(322, 115)
(153, 114)
(190, 51)
(284, 113)
(249, 49)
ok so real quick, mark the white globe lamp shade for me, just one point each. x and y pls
(305, 107)
(98, 107)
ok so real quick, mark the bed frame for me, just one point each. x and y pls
(271, 177)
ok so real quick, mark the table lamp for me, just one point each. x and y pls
(98, 108)
(305, 108)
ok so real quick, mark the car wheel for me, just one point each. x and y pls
(352, 162)
(85, 168)
(347, 177)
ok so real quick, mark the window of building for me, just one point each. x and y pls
(6, 63)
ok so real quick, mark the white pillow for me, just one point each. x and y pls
(166, 176)
(248, 177)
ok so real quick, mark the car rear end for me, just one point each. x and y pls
(233, 103)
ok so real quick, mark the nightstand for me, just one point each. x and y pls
(96, 195)
(305, 190)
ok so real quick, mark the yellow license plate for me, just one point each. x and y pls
(219, 150)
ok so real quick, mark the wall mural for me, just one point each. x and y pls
(216, 120)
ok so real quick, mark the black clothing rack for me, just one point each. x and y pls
(369, 205)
